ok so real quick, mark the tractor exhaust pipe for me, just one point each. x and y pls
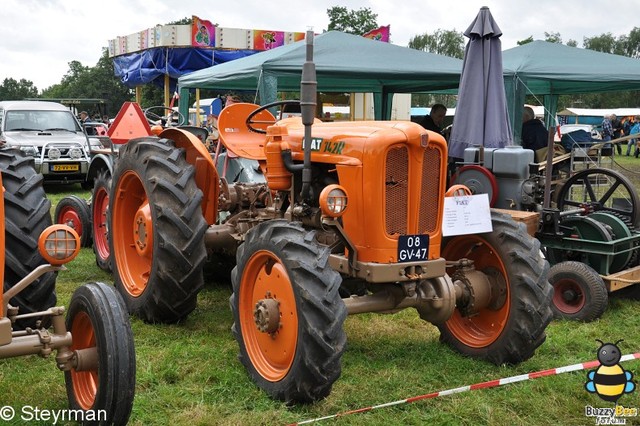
(308, 94)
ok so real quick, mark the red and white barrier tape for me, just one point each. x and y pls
(484, 385)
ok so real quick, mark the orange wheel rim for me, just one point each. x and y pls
(480, 330)
(85, 383)
(264, 277)
(100, 234)
(70, 217)
(131, 222)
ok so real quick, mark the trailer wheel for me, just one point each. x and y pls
(99, 211)
(74, 212)
(157, 230)
(579, 292)
(287, 311)
(26, 216)
(98, 320)
(511, 331)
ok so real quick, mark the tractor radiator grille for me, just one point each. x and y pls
(430, 195)
(396, 190)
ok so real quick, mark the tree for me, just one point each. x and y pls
(441, 42)
(12, 90)
(631, 44)
(525, 41)
(603, 43)
(97, 82)
(552, 37)
(356, 22)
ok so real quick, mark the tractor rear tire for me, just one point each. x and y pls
(74, 212)
(156, 230)
(299, 358)
(579, 292)
(511, 333)
(99, 222)
(97, 317)
(26, 216)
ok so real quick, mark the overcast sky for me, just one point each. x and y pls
(38, 38)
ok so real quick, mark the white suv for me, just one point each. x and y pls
(50, 133)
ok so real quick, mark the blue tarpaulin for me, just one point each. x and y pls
(147, 66)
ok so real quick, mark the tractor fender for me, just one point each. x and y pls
(206, 175)
(100, 162)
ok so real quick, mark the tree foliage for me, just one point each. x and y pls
(356, 22)
(97, 82)
(441, 42)
(12, 90)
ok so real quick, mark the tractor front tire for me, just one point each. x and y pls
(26, 216)
(156, 230)
(579, 292)
(288, 313)
(508, 334)
(97, 318)
(74, 212)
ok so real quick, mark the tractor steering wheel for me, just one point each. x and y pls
(166, 120)
(250, 119)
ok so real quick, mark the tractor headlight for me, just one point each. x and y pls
(59, 244)
(333, 201)
(54, 153)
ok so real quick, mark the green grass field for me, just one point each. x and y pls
(188, 373)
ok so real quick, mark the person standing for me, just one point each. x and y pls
(635, 128)
(616, 127)
(607, 129)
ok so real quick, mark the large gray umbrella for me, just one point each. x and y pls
(481, 113)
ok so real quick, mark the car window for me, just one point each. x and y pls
(41, 120)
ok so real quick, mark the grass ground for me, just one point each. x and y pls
(188, 373)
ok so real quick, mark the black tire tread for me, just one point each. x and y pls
(27, 214)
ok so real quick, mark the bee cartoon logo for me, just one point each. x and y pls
(609, 381)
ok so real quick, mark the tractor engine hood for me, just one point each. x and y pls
(344, 142)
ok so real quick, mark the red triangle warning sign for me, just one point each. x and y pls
(129, 123)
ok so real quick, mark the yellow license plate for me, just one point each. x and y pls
(65, 167)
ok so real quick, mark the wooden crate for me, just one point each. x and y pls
(530, 219)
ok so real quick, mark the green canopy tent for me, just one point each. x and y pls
(344, 63)
(552, 69)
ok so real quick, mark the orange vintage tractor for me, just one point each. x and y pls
(349, 221)
(94, 347)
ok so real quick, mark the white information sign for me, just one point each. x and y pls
(466, 214)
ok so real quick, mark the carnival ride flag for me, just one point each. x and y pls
(379, 34)
(203, 32)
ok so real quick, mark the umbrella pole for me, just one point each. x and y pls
(547, 171)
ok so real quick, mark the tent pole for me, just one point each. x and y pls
(546, 202)
(197, 107)
(167, 98)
